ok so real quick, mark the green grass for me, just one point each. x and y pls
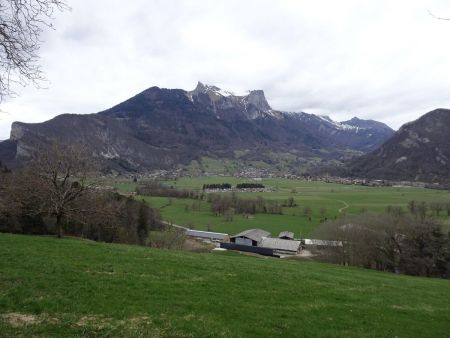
(316, 195)
(176, 213)
(82, 288)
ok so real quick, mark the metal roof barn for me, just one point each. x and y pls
(249, 237)
(281, 245)
(207, 234)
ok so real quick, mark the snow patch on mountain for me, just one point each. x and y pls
(338, 125)
(254, 104)
(205, 88)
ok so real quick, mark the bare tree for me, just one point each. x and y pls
(54, 180)
(21, 25)
(389, 242)
(229, 215)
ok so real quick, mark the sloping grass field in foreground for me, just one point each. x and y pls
(69, 287)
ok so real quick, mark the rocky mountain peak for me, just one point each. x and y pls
(258, 99)
(204, 88)
(200, 87)
(255, 97)
(228, 105)
(17, 131)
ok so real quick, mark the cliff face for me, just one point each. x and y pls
(17, 131)
(162, 128)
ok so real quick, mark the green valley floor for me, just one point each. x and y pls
(325, 200)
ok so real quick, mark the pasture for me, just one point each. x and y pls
(79, 288)
(325, 200)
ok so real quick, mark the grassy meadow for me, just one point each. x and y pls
(326, 200)
(78, 288)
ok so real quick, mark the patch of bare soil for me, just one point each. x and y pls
(20, 319)
(98, 322)
(101, 322)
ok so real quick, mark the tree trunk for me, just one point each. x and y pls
(59, 226)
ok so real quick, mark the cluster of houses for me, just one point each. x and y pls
(378, 183)
(261, 242)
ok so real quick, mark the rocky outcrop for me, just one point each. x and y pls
(230, 106)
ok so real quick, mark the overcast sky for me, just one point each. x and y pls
(383, 60)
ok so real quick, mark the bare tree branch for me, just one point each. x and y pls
(437, 17)
(21, 25)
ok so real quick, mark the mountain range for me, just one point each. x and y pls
(164, 128)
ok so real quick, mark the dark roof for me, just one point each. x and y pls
(253, 234)
(287, 234)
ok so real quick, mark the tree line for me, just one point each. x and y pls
(221, 186)
(55, 194)
(395, 242)
(421, 208)
(232, 204)
(250, 186)
(155, 188)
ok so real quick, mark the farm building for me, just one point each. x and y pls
(212, 236)
(286, 235)
(250, 237)
(321, 243)
(281, 246)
